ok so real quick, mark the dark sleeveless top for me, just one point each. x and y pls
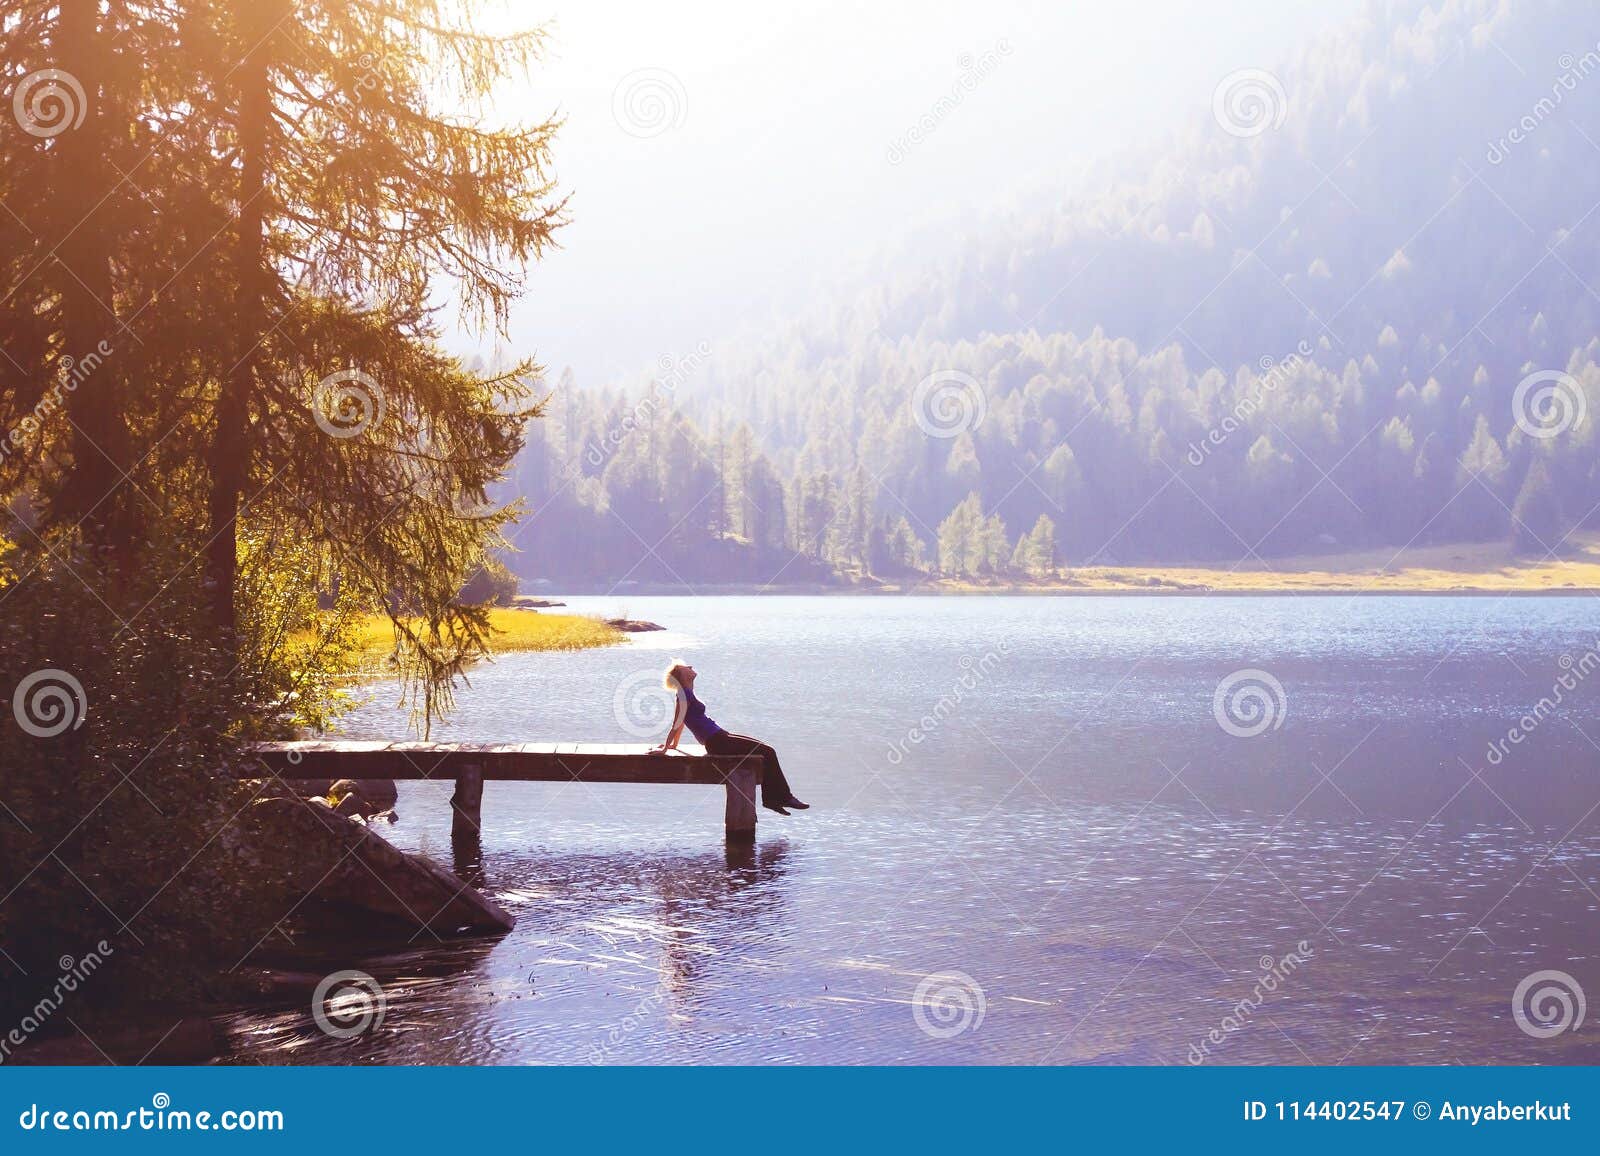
(695, 718)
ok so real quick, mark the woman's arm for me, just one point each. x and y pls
(679, 713)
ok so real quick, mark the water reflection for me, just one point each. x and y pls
(466, 853)
(609, 953)
(1077, 835)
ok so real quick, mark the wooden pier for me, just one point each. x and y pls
(470, 765)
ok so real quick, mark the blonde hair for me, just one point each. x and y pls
(670, 681)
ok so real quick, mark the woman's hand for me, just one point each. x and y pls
(670, 743)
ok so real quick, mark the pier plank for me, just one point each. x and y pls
(497, 762)
(470, 765)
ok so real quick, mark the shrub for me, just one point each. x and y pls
(115, 786)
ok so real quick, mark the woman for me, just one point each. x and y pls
(775, 793)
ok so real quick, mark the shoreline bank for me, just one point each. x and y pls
(940, 590)
(1469, 569)
(517, 629)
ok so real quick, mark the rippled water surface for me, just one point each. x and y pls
(1032, 801)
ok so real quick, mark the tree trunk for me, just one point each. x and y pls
(92, 495)
(230, 443)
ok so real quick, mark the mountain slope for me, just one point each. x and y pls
(1353, 307)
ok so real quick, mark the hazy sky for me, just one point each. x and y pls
(765, 165)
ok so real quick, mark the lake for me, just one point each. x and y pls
(1038, 836)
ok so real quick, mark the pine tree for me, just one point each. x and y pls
(903, 551)
(298, 203)
(1035, 555)
(764, 495)
(742, 513)
(862, 517)
(72, 264)
(1021, 556)
(994, 550)
(1479, 511)
(961, 539)
(1433, 476)
(1536, 521)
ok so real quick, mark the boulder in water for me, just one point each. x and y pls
(362, 797)
(632, 625)
(362, 879)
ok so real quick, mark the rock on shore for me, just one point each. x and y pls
(362, 880)
(363, 798)
(632, 625)
(374, 794)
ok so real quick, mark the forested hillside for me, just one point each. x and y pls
(1354, 307)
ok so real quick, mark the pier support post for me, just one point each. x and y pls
(740, 818)
(466, 805)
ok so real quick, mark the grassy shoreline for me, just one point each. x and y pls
(1474, 568)
(1469, 568)
(515, 631)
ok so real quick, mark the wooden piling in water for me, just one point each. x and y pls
(466, 805)
(739, 820)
